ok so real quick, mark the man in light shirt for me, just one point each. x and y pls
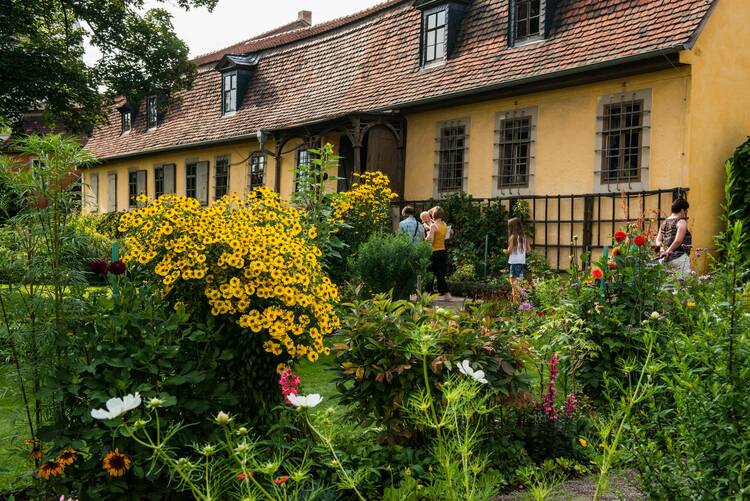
(410, 226)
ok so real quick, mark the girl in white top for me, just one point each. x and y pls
(518, 247)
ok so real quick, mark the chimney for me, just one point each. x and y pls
(305, 16)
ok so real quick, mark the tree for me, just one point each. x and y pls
(41, 57)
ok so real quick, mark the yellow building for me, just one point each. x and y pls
(594, 113)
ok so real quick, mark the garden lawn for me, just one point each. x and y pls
(12, 432)
(317, 378)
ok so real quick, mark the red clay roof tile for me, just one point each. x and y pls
(370, 61)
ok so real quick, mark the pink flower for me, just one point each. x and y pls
(549, 397)
(289, 383)
(570, 405)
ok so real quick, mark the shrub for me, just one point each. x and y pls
(363, 211)
(474, 225)
(245, 260)
(379, 367)
(132, 342)
(690, 436)
(737, 194)
(389, 262)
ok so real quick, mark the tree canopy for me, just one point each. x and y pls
(42, 43)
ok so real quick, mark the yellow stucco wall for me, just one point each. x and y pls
(238, 154)
(566, 140)
(719, 118)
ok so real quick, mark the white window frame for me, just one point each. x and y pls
(262, 156)
(152, 111)
(628, 186)
(515, 41)
(221, 158)
(438, 60)
(532, 113)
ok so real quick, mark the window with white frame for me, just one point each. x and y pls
(256, 170)
(515, 151)
(164, 179)
(229, 92)
(126, 120)
(435, 26)
(452, 155)
(136, 186)
(196, 180)
(302, 160)
(152, 112)
(624, 141)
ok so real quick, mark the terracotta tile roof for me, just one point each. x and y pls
(371, 63)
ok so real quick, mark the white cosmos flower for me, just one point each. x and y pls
(117, 406)
(465, 369)
(305, 400)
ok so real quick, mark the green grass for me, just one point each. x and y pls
(13, 431)
(316, 378)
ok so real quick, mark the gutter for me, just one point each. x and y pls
(478, 92)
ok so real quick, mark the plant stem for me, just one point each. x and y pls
(335, 457)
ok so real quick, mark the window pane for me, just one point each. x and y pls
(534, 7)
(440, 50)
(430, 38)
(431, 21)
(534, 26)
(441, 18)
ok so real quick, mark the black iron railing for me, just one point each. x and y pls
(565, 224)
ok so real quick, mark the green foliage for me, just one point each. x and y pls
(379, 368)
(388, 263)
(691, 435)
(133, 342)
(43, 43)
(475, 223)
(737, 195)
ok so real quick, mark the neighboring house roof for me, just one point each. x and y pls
(370, 62)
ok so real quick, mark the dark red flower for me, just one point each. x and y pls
(98, 266)
(117, 268)
(242, 475)
(612, 265)
(639, 240)
(597, 273)
(620, 236)
(539, 313)
(281, 480)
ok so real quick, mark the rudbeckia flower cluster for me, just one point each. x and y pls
(368, 201)
(251, 259)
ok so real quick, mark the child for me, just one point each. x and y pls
(518, 247)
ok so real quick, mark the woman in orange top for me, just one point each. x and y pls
(439, 257)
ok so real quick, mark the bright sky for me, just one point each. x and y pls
(236, 20)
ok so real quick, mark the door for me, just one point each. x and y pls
(383, 155)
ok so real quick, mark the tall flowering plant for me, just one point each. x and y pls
(248, 260)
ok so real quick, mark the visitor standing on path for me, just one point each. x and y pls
(518, 247)
(675, 239)
(439, 257)
(410, 226)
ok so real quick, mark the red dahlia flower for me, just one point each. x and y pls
(117, 267)
(98, 266)
(639, 240)
(597, 273)
(620, 236)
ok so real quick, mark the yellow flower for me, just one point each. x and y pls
(690, 304)
(583, 442)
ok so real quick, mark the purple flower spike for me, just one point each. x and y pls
(525, 306)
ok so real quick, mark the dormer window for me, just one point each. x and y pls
(235, 79)
(229, 91)
(126, 120)
(441, 23)
(434, 35)
(152, 112)
(527, 21)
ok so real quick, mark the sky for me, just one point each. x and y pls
(236, 20)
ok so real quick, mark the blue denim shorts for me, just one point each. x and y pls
(516, 270)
